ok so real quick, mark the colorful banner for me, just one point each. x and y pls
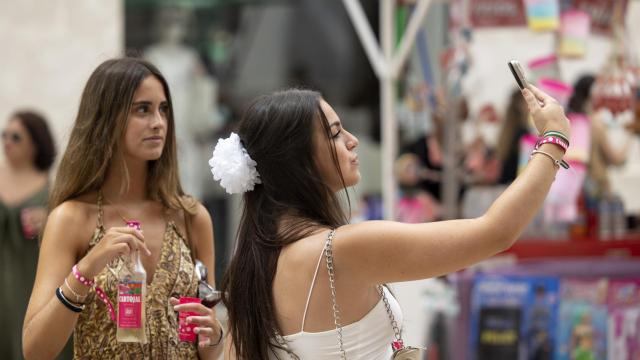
(543, 15)
(574, 33)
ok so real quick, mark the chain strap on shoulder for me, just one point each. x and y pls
(328, 252)
(397, 332)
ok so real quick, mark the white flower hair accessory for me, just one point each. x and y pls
(233, 167)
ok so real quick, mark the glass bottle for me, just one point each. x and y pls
(132, 289)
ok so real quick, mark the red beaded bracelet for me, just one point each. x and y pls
(92, 284)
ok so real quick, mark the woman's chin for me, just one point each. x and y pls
(154, 156)
(354, 181)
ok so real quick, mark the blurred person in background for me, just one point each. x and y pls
(427, 153)
(419, 167)
(120, 165)
(29, 152)
(601, 152)
(194, 94)
(514, 126)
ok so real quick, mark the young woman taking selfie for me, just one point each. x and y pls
(303, 282)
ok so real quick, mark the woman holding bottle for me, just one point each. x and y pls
(120, 168)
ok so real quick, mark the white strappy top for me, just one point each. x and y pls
(366, 339)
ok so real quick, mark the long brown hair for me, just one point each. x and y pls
(515, 118)
(97, 132)
(292, 202)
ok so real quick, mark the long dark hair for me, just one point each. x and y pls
(277, 132)
(38, 129)
(581, 94)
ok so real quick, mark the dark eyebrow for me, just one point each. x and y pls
(335, 123)
(146, 102)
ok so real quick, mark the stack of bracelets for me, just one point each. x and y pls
(79, 306)
(557, 138)
(73, 306)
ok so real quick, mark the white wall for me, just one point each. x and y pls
(49, 49)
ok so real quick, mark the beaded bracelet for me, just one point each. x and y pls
(92, 284)
(556, 162)
(68, 304)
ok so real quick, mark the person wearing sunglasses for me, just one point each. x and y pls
(29, 152)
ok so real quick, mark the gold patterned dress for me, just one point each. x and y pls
(95, 332)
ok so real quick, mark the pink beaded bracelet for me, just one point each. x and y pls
(92, 284)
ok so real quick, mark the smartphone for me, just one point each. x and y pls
(518, 74)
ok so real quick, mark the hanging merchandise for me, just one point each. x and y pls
(613, 90)
(582, 319)
(543, 15)
(623, 329)
(513, 317)
(559, 90)
(544, 67)
(491, 13)
(603, 13)
(575, 26)
(616, 86)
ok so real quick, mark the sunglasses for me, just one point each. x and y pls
(10, 135)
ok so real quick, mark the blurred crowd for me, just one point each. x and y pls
(492, 146)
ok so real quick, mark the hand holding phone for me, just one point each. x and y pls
(518, 74)
(547, 114)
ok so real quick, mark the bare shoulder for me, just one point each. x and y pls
(201, 217)
(299, 254)
(73, 211)
(70, 225)
(197, 215)
(81, 213)
(350, 237)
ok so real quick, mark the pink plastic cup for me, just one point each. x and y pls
(185, 331)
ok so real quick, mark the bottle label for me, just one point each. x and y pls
(130, 304)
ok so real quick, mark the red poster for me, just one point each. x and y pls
(602, 12)
(489, 13)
